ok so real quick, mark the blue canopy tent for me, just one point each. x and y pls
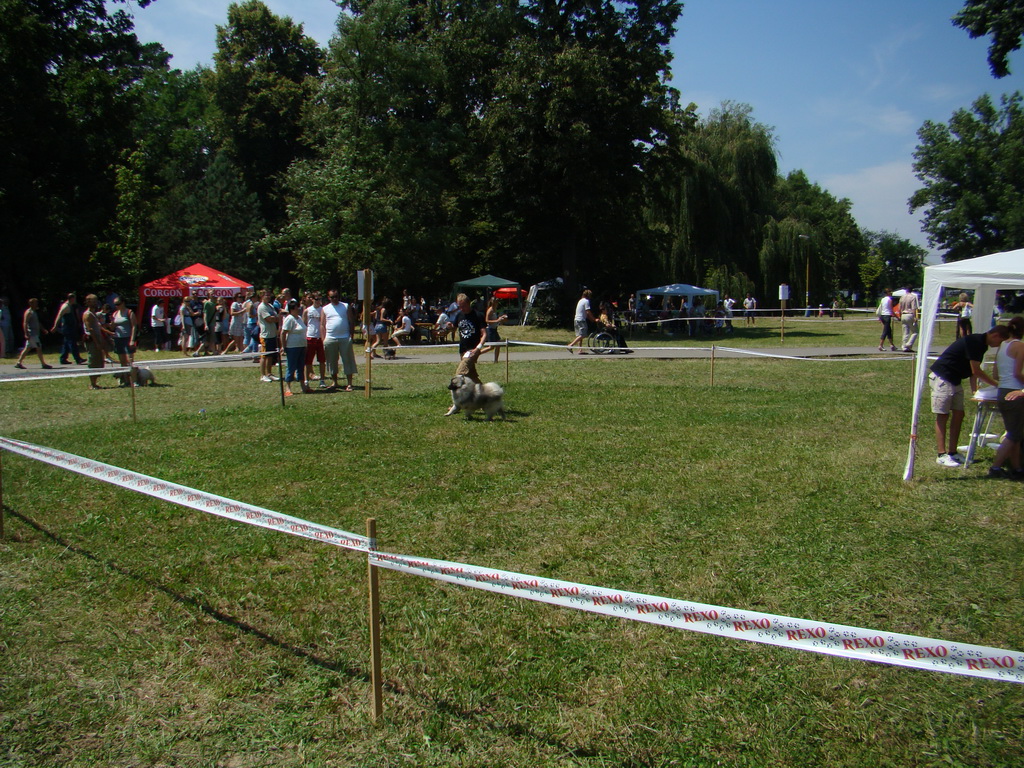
(678, 289)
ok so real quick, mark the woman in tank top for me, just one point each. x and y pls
(1010, 373)
(123, 321)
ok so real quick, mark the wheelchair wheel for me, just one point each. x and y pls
(601, 342)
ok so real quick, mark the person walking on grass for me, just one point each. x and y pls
(885, 315)
(908, 311)
(581, 321)
(96, 344)
(469, 325)
(961, 360)
(69, 320)
(33, 331)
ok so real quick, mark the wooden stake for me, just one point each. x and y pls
(132, 378)
(367, 301)
(377, 707)
(280, 367)
(712, 365)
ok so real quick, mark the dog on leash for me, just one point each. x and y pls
(143, 377)
(469, 396)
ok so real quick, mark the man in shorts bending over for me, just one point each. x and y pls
(961, 360)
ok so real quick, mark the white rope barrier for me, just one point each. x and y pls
(785, 631)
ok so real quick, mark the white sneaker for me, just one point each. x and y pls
(958, 457)
(945, 460)
(266, 378)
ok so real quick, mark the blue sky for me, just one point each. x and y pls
(844, 84)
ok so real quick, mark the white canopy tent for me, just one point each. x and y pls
(984, 275)
(678, 289)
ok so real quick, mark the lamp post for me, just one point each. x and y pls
(807, 280)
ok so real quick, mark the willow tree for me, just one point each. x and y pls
(723, 196)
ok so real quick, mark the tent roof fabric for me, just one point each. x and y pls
(487, 281)
(677, 289)
(200, 277)
(1003, 270)
(985, 275)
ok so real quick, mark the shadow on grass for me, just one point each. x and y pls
(332, 666)
(353, 672)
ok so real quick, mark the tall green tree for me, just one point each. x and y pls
(397, 163)
(487, 136)
(973, 174)
(265, 72)
(1002, 20)
(891, 262)
(722, 196)
(812, 242)
(579, 118)
(66, 76)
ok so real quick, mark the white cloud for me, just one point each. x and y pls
(879, 195)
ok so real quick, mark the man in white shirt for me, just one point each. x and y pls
(156, 321)
(749, 305)
(908, 309)
(584, 316)
(266, 316)
(727, 305)
(336, 322)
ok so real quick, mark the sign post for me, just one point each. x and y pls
(783, 298)
(364, 287)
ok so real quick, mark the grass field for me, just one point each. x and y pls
(136, 633)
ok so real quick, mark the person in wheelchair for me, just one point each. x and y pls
(607, 325)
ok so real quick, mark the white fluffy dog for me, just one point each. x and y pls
(469, 396)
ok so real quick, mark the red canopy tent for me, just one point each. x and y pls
(510, 293)
(198, 279)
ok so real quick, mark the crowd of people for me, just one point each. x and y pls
(313, 333)
(696, 317)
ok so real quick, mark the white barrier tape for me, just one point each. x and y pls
(188, 497)
(62, 374)
(844, 359)
(786, 631)
(187, 361)
(603, 350)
